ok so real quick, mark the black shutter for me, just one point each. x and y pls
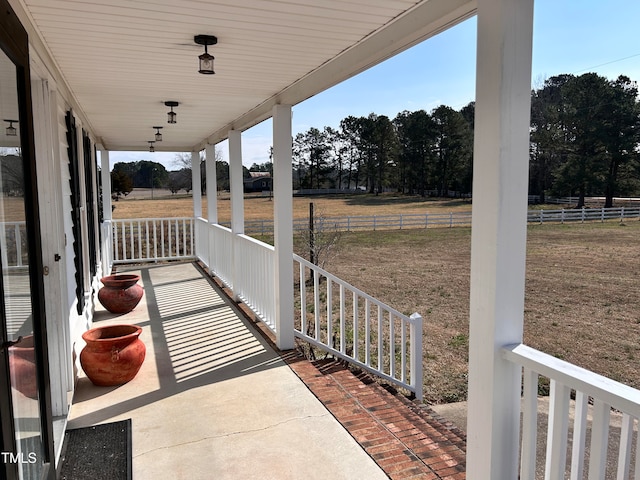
(74, 182)
(89, 191)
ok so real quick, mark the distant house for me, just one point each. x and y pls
(258, 182)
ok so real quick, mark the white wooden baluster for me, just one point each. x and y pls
(403, 351)
(380, 339)
(392, 346)
(303, 300)
(599, 440)
(624, 455)
(131, 240)
(356, 338)
(415, 341)
(343, 344)
(329, 313)
(579, 436)
(367, 332)
(529, 425)
(139, 235)
(557, 433)
(316, 303)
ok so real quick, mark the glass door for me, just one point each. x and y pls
(24, 407)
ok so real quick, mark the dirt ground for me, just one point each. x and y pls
(582, 303)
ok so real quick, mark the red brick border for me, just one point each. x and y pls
(405, 439)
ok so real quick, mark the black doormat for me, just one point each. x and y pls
(100, 452)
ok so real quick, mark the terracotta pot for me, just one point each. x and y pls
(22, 364)
(113, 354)
(120, 293)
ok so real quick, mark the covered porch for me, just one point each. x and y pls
(96, 86)
(214, 397)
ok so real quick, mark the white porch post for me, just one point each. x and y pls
(106, 185)
(196, 184)
(237, 201)
(107, 213)
(212, 184)
(283, 225)
(498, 244)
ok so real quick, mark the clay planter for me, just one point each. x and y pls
(22, 364)
(113, 354)
(120, 293)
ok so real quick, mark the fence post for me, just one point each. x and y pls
(622, 214)
(415, 344)
(583, 212)
(400, 221)
(602, 215)
(374, 223)
(541, 216)
(426, 220)
(450, 219)
(562, 217)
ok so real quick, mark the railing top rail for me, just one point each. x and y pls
(149, 219)
(257, 242)
(371, 299)
(616, 394)
(220, 227)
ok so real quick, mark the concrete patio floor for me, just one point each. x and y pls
(213, 399)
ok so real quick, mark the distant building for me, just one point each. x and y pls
(258, 182)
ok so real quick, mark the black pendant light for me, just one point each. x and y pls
(171, 116)
(206, 60)
(11, 130)
(158, 134)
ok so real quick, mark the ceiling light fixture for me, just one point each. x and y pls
(171, 116)
(151, 147)
(11, 130)
(158, 134)
(206, 60)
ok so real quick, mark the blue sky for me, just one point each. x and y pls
(570, 36)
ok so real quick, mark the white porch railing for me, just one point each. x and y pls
(255, 261)
(605, 394)
(13, 238)
(346, 322)
(152, 239)
(374, 336)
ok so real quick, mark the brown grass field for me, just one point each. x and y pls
(257, 207)
(581, 305)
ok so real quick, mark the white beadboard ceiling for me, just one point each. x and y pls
(122, 59)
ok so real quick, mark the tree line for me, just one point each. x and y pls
(584, 141)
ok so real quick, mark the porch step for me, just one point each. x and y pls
(407, 440)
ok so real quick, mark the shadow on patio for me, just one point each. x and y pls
(213, 399)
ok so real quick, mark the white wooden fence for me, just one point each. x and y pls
(583, 215)
(439, 220)
(589, 388)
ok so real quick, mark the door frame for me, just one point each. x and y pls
(14, 42)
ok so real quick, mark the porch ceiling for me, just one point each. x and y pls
(122, 59)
